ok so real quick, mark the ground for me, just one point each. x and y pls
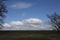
(29, 35)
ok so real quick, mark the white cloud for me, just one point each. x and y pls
(21, 5)
(16, 23)
(33, 20)
(6, 25)
(27, 24)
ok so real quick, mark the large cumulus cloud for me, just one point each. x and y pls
(27, 24)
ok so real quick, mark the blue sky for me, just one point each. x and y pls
(19, 10)
(35, 9)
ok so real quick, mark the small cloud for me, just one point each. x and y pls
(23, 14)
(21, 5)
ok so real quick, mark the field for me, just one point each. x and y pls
(29, 35)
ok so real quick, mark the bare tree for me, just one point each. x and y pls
(2, 11)
(55, 21)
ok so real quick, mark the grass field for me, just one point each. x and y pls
(29, 35)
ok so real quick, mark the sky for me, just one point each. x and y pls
(30, 14)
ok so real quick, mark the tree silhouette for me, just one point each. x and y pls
(3, 10)
(55, 21)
